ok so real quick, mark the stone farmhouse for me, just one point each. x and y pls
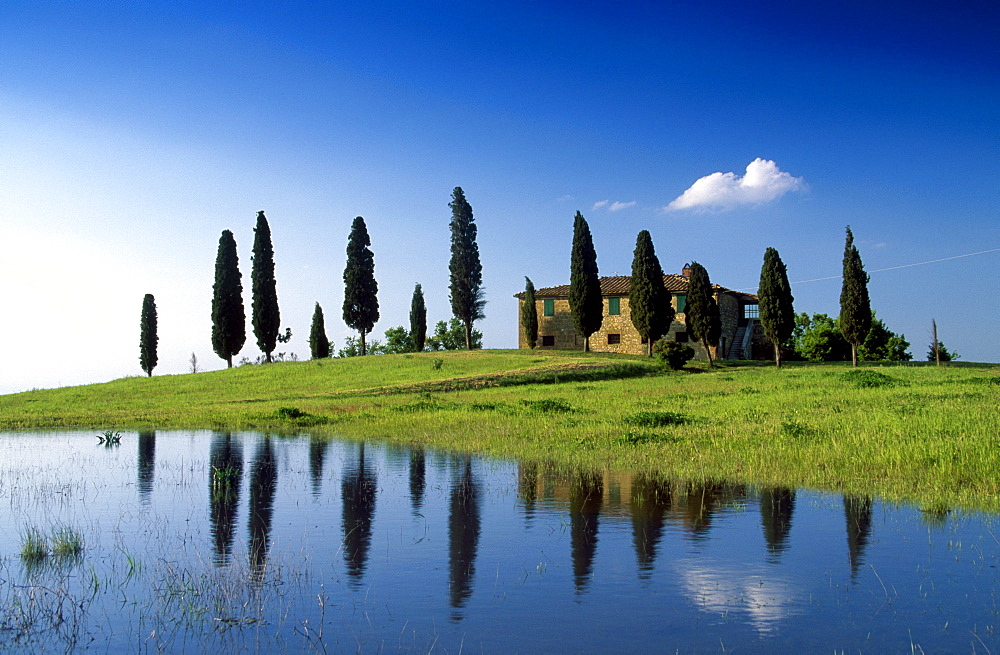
(742, 336)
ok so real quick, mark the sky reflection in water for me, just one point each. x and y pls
(245, 541)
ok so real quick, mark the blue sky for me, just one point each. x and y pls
(132, 134)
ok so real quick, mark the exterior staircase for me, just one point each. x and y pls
(741, 341)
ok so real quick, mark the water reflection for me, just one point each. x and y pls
(225, 479)
(776, 505)
(585, 499)
(317, 456)
(418, 478)
(147, 465)
(359, 490)
(463, 536)
(527, 488)
(263, 484)
(649, 501)
(858, 510)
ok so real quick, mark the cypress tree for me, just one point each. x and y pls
(265, 296)
(702, 311)
(319, 344)
(855, 306)
(529, 314)
(229, 321)
(418, 320)
(147, 335)
(585, 301)
(360, 287)
(774, 296)
(648, 298)
(466, 271)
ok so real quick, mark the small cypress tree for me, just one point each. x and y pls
(855, 306)
(585, 301)
(319, 344)
(702, 311)
(360, 287)
(418, 320)
(529, 314)
(774, 295)
(466, 292)
(648, 298)
(229, 320)
(266, 317)
(147, 335)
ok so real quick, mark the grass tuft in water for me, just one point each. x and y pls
(67, 544)
(34, 546)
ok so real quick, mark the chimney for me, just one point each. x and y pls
(686, 271)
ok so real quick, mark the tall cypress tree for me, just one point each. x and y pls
(319, 344)
(229, 320)
(418, 320)
(266, 317)
(648, 299)
(529, 314)
(855, 306)
(466, 292)
(360, 287)
(774, 296)
(147, 335)
(702, 311)
(585, 301)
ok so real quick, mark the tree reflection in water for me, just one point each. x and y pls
(463, 537)
(225, 476)
(147, 465)
(263, 484)
(776, 505)
(649, 501)
(418, 479)
(585, 499)
(318, 448)
(858, 511)
(359, 490)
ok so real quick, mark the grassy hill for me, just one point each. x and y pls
(919, 433)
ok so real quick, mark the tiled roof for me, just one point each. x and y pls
(619, 285)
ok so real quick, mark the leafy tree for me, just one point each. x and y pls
(147, 335)
(882, 344)
(397, 340)
(855, 306)
(585, 301)
(529, 314)
(319, 344)
(451, 336)
(360, 287)
(352, 348)
(418, 320)
(702, 311)
(943, 353)
(229, 320)
(818, 339)
(648, 298)
(775, 300)
(466, 292)
(266, 318)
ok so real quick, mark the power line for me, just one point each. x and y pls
(891, 268)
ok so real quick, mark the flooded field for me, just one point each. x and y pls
(188, 541)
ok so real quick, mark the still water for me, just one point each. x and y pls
(246, 542)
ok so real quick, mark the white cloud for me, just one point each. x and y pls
(763, 182)
(598, 205)
(616, 206)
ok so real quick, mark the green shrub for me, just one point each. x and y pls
(656, 419)
(671, 354)
(869, 379)
(548, 405)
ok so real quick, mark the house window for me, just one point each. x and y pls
(682, 301)
(681, 337)
(614, 306)
(548, 340)
(548, 307)
(614, 339)
(751, 311)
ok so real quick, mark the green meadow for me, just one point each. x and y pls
(914, 433)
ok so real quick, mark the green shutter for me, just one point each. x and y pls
(682, 301)
(549, 307)
(614, 306)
